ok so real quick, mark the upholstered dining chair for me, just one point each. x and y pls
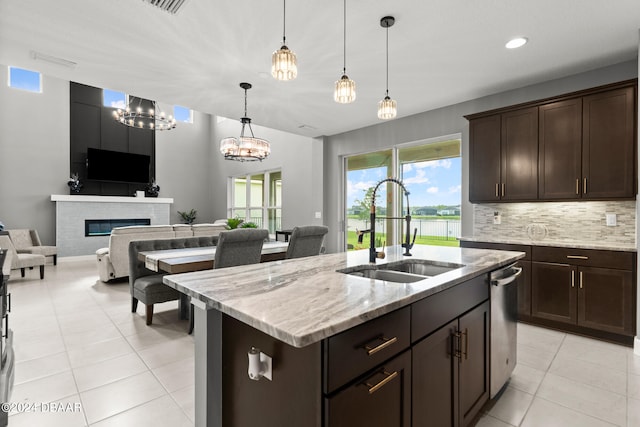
(306, 241)
(241, 246)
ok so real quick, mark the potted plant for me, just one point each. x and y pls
(188, 217)
(234, 223)
(248, 225)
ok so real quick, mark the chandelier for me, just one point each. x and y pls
(245, 148)
(284, 65)
(387, 108)
(345, 88)
(144, 118)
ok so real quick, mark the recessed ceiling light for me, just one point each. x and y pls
(516, 42)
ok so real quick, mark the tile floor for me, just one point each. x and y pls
(76, 342)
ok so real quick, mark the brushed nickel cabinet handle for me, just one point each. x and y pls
(577, 257)
(577, 185)
(465, 352)
(573, 279)
(497, 194)
(388, 377)
(456, 344)
(503, 189)
(584, 186)
(386, 342)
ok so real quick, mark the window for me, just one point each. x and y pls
(114, 99)
(431, 172)
(257, 198)
(22, 79)
(182, 114)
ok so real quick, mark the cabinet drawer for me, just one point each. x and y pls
(382, 397)
(499, 247)
(431, 313)
(585, 257)
(355, 351)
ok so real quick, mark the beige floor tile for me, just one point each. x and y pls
(153, 335)
(102, 333)
(108, 371)
(111, 399)
(633, 386)
(161, 412)
(65, 413)
(37, 348)
(489, 421)
(93, 353)
(589, 400)
(165, 353)
(590, 373)
(592, 351)
(185, 398)
(541, 338)
(176, 375)
(47, 389)
(534, 357)
(526, 378)
(633, 412)
(548, 414)
(511, 406)
(633, 363)
(30, 370)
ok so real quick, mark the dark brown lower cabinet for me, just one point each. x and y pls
(380, 398)
(591, 297)
(451, 371)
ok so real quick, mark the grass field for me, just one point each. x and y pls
(352, 239)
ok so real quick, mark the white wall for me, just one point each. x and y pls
(34, 154)
(435, 123)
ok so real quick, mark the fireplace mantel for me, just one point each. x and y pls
(107, 199)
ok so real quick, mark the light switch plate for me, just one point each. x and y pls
(611, 219)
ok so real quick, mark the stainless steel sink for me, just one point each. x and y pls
(405, 271)
(422, 267)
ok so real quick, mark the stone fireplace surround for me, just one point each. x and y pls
(73, 210)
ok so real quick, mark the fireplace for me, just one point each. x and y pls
(103, 227)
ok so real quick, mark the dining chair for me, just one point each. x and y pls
(306, 241)
(241, 246)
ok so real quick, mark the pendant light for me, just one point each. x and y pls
(345, 91)
(284, 65)
(387, 108)
(245, 148)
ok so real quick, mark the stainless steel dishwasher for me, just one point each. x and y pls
(504, 317)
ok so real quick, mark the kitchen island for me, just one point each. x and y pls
(298, 312)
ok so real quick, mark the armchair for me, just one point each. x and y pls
(28, 242)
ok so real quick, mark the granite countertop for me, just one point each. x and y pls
(302, 301)
(578, 244)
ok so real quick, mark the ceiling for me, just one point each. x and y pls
(441, 52)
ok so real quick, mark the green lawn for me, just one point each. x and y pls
(352, 239)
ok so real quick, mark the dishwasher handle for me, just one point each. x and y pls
(505, 280)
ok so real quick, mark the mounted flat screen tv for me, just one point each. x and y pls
(117, 166)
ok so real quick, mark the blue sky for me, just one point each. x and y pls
(436, 182)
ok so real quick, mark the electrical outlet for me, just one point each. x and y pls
(611, 219)
(497, 218)
(318, 215)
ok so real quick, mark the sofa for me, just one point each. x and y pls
(113, 262)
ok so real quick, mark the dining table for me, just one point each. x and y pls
(174, 261)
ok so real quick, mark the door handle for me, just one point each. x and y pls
(581, 280)
(503, 189)
(573, 279)
(456, 344)
(577, 185)
(465, 352)
(497, 194)
(584, 186)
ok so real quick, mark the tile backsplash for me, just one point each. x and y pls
(552, 221)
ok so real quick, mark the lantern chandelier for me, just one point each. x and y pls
(284, 65)
(245, 148)
(144, 118)
(387, 108)
(345, 88)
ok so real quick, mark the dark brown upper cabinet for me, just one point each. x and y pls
(579, 146)
(504, 161)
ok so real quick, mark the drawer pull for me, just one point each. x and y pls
(577, 257)
(388, 377)
(386, 342)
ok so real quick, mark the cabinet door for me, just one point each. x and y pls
(474, 362)
(605, 300)
(484, 159)
(381, 398)
(608, 144)
(560, 149)
(519, 161)
(435, 379)
(524, 289)
(553, 293)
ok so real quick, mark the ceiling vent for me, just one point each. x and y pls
(171, 6)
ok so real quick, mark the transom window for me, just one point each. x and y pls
(182, 114)
(30, 81)
(114, 99)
